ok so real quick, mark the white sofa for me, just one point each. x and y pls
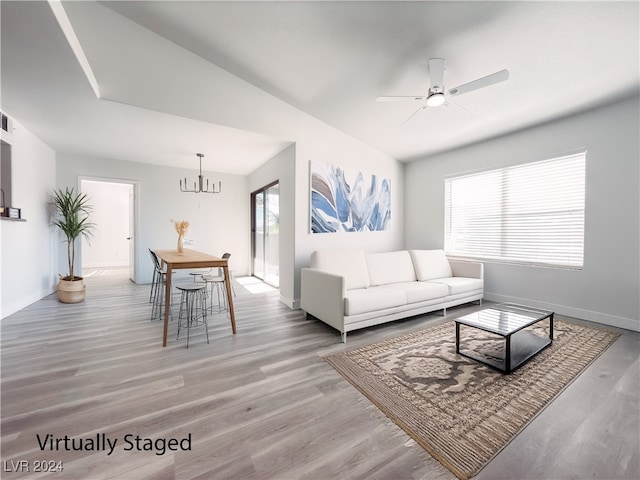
(349, 289)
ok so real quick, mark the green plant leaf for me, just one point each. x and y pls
(72, 218)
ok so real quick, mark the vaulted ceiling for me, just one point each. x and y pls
(239, 80)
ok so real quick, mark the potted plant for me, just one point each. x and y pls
(72, 217)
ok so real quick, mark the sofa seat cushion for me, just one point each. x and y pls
(420, 291)
(430, 264)
(460, 284)
(348, 263)
(365, 300)
(390, 267)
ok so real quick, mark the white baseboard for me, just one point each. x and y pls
(9, 308)
(292, 304)
(590, 315)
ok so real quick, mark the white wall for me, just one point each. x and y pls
(607, 289)
(218, 223)
(282, 169)
(333, 147)
(108, 245)
(27, 251)
(291, 168)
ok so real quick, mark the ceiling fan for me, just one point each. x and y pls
(436, 94)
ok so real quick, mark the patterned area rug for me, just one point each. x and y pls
(462, 412)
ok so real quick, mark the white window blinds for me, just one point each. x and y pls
(531, 213)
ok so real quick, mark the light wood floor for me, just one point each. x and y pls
(262, 404)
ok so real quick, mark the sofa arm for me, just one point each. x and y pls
(467, 269)
(322, 295)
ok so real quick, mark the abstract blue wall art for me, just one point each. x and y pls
(348, 201)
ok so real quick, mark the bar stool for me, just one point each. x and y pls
(157, 275)
(217, 284)
(193, 308)
(156, 296)
(199, 273)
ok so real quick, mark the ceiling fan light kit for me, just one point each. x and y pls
(435, 99)
(199, 186)
(436, 96)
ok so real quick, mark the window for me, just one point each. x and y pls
(530, 214)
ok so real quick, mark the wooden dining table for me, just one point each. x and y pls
(174, 260)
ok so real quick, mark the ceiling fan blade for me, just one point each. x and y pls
(436, 73)
(457, 105)
(399, 99)
(414, 113)
(492, 79)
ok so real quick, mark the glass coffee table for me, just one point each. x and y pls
(508, 320)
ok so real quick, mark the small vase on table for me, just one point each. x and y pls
(181, 227)
(180, 243)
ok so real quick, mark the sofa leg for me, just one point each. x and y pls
(444, 312)
(343, 337)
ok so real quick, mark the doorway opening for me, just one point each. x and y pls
(265, 234)
(111, 249)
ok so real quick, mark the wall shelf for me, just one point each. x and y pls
(14, 219)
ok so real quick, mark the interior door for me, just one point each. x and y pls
(131, 237)
(112, 248)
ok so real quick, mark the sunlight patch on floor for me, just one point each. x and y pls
(106, 272)
(255, 285)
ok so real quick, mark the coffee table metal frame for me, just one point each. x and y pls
(505, 320)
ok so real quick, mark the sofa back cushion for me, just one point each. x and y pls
(430, 264)
(390, 267)
(348, 263)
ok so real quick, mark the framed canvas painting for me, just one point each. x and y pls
(348, 201)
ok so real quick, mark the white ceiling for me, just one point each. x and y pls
(238, 80)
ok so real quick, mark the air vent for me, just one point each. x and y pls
(6, 123)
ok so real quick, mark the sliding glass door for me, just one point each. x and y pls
(265, 229)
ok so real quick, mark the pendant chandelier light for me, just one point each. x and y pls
(199, 186)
